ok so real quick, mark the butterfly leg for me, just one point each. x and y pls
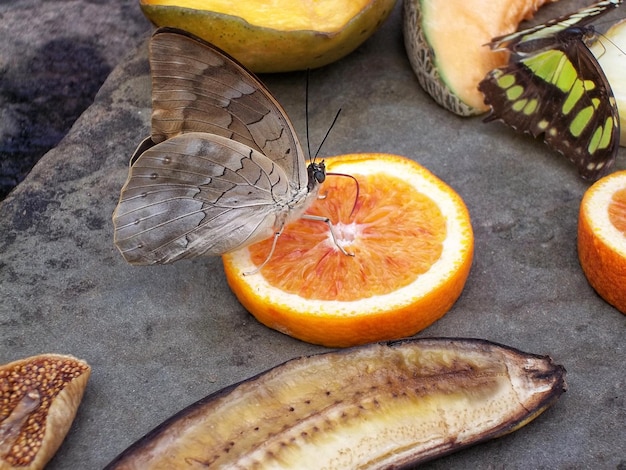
(331, 227)
(269, 256)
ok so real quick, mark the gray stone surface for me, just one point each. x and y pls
(160, 338)
(54, 56)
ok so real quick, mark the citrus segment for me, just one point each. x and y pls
(602, 238)
(377, 222)
(617, 210)
(412, 242)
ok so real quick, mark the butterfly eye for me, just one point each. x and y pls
(319, 175)
(316, 173)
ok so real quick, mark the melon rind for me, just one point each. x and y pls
(423, 61)
(448, 45)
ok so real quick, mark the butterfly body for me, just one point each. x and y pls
(223, 167)
(553, 86)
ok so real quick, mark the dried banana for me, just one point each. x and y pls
(375, 406)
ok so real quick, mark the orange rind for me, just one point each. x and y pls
(602, 238)
(412, 242)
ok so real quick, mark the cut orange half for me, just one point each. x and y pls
(602, 238)
(412, 242)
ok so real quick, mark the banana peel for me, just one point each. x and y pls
(376, 406)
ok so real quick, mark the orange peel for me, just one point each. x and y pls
(602, 238)
(412, 241)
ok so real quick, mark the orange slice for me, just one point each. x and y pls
(602, 238)
(412, 242)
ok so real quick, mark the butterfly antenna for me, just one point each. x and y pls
(306, 113)
(306, 108)
(327, 133)
(356, 182)
(607, 39)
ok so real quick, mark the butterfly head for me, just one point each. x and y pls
(317, 174)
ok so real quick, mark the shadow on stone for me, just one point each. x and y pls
(40, 100)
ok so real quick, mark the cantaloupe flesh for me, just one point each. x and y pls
(458, 31)
(610, 50)
(326, 16)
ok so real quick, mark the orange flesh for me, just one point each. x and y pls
(601, 236)
(383, 239)
(617, 210)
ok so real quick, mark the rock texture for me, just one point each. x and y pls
(159, 338)
(54, 56)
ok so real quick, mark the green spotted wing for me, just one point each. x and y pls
(553, 86)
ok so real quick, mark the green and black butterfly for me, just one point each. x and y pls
(553, 85)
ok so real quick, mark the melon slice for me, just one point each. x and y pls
(446, 44)
(609, 50)
(276, 36)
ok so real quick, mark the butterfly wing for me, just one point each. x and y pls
(197, 88)
(542, 36)
(564, 95)
(196, 194)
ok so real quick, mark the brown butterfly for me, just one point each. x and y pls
(223, 167)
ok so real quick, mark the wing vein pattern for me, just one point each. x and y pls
(223, 167)
(553, 86)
